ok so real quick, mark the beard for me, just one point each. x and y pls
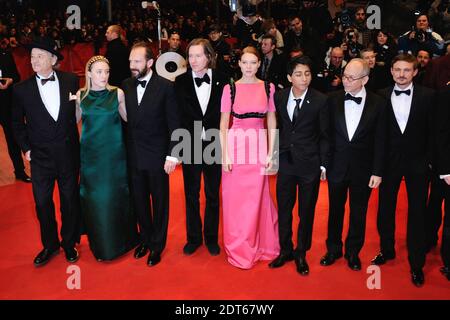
(140, 73)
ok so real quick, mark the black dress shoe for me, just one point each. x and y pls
(154, 258)
(329, 258)
(382, 258)
(281, 260)
(141, 251)
(190, 248)
(445, 271)
(44, 256)
(417, 277)
(302, 266)
(354, 262)
(213, 249)
(23, 177)
(71, 255)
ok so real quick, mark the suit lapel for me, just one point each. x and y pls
(193, 93)
(413, 109)
(305, 106)
(150, 93)
(341, 115)
(62, 95)
(364, 116)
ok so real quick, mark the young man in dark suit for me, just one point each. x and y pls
(44, 124)
(408, 154)
(153, 115)
(199, 92)
(303, 119)
(358, 132)
(273, 67)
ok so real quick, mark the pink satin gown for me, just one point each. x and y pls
(250, 219)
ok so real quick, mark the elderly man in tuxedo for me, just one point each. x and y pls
(44, 124)
(358, 132)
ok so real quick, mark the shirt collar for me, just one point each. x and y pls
(208, 71)
(42, 77)
(292, 97)
(362, 93)
(410, 87)
(147, 77)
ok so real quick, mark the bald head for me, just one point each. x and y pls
(355, 75)
(113, 32)
(336, 57)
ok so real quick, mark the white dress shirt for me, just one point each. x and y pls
(402, 106)
(50, 95)
(291, 103)
(141, 90)
(203, 94)
(353, 112)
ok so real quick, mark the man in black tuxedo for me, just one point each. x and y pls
(358, 132)
(199, 92)
(44, 124)
(409, 153)
(9, 76)
(117, 55)
(153, 115)
(272, 68)
(443, 167)
(303, 119)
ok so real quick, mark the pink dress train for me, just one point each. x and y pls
(250, 220)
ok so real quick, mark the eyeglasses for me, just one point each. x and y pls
(351, 79)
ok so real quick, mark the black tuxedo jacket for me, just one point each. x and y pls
(117, 54)
(189, 105)
(150, 125)
(35, 129)
(9, 70)
(414, 148)
(443, 132)
(363, 156)
(304, 145)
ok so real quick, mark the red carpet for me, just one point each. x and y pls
(200, 276)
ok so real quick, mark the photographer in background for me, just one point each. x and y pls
(421, 38)
(350, 45)
(329, 77)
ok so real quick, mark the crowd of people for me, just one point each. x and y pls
(360, 109)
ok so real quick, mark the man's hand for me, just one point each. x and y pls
(28, 155)
(374, 182)
(169, 166)
(5, 84)
(447, 180)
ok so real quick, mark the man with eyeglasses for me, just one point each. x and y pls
(357, 138)
(409, 154)
(329, 78)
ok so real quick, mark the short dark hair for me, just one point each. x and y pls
(148, 49)
(271, 37)
(294, 62)
(407, 57)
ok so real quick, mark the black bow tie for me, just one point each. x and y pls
(44, 81)
(348, 96)
(399, 92)
(141, 82)
(199, 81)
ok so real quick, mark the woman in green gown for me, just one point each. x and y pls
(107, 215)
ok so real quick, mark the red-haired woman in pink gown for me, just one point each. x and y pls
(250, 221)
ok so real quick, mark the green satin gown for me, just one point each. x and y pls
(105, 200)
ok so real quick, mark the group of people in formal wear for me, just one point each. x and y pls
(118, 173)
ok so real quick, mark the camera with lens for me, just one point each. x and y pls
(421, 36)
(344, 18)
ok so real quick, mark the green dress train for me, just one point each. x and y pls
(105, 201)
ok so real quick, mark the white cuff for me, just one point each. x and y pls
(443, 176)
(173, 159)
(323, 169)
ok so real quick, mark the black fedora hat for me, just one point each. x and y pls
(47, 44)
